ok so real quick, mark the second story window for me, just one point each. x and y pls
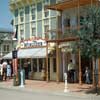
(21, 15)
(22, 34)
(33, 12)
(33, 31)
(6, 48)
(46, 13)
(46, 28)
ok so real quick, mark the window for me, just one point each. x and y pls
(40, 64)
(46, 21)
(34, 65)
(21, 26)
(6, 48)
(46, 28)
(33, 31)
(81, 20)
(21, 15)
(22, 34)
(54, 64)
(37, 65)
(46, 13)
(33, 12)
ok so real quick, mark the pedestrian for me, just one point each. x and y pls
(4, 64)
(8, 71)
(1, 72)
(71, 70)
(87, 75)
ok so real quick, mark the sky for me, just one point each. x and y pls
(5, 14)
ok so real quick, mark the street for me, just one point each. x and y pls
(9, 94)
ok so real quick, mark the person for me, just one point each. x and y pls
(87, 75)
(4, 64)
(8, 71)
(43, 74)
(71, 70)
(1, 72)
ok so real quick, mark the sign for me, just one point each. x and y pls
(14, 54)
(32, 43)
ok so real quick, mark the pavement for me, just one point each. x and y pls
(51, 87)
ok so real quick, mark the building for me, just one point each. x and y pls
(33, 24)
(72, 11)
(6, 41)
(31, 19)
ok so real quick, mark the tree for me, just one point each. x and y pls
(89, 34)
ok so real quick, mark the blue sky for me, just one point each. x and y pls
(5, 14)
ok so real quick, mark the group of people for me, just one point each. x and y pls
(5, 70)
(72, 73)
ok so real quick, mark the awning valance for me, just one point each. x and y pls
(29, 53)
(70, 4)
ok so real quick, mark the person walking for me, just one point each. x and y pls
(8, 71)
(4, 65)
(87, 75)
(71, 70)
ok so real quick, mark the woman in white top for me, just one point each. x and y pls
(8, 71)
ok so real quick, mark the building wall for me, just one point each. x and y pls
(34, 20)
(40, 15)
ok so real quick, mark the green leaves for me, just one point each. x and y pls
(90, 33)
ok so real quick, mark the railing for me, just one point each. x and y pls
(62, 33)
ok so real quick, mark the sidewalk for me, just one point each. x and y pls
(48, 87)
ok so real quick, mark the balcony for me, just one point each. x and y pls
(67, 32)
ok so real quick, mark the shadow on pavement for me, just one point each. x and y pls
(93, 91)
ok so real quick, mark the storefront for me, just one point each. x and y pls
(71, 11)
(32, 57)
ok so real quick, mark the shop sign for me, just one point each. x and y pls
(32, 43)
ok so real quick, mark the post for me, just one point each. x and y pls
(22, 80)
(57, 63)
(66, 85)
(15, 65)
(80, 73)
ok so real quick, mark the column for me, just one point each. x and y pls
(99, 72)
(80, 71)
(57, 63)
(47, 74)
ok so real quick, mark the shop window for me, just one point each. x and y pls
(54, 64)
(34, 65)
(40, 64)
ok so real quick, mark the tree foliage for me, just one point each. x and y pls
(89, 33)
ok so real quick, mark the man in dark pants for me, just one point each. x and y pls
(71, 70)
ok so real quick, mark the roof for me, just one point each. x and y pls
(5, 30)
(70, 4)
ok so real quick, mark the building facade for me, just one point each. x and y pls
(6, 41)
(33, 23)
(73, 13)
(31, 19)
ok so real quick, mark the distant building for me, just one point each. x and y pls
(6, 43)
